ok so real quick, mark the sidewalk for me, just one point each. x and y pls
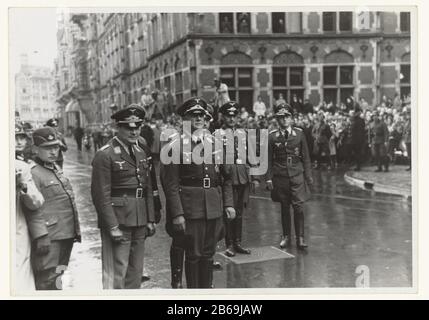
(397, 181)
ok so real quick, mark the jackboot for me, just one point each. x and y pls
(229, 236)
(229, 252)
(238, 232)
(386, 164)
(299, 227)
(205, 273)
(192, 274)
(285, 242)
(176, 263)
(286, 225)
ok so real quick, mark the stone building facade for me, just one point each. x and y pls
(315, 55)
(320, 56)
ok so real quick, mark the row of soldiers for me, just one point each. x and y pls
(205, 201)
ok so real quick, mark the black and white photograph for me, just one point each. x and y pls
(240, 148)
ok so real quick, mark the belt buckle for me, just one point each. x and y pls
(289, 161)
(139, 193)
(206, 183)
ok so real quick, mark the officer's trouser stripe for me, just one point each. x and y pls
(107, 261)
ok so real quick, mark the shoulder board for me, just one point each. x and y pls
(273, 131)
(172, 136)
(32, 164)
(104, 147)
(297, 128)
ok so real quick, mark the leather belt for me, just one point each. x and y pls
(289, 160)
(131, 193)
(205, 183)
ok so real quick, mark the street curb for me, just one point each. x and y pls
(377, 187)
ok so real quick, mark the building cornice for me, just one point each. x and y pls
(300, 36)
(295, 36)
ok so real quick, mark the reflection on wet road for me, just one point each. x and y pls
(346, 227)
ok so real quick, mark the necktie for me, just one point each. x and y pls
(286, 134)
(131, 151)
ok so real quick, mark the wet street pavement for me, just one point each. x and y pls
(346, 228)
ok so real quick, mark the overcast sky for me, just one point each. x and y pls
(32, 31)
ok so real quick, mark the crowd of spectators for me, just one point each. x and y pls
(332, 136)
(333, 133)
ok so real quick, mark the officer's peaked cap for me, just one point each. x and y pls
(282, 110)
(131, 116)
(231, 108)
(19, 130)
(193, 105)
(45, 136)
(52, 122)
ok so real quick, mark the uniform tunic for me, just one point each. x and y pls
(239, 172)
(59, 218)
(122, 194)
(200, 203)
(288, 164)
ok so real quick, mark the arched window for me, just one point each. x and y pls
(338, 77)
(237, 73)
(288, 76)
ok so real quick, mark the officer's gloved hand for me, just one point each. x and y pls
(179, 224)
(151, 229)
(309, 181)
(270, 185)
(42, 245)
(230, 213)
(255, 185)
(116, 234)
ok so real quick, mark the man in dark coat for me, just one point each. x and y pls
(197, 193)
(379, 141)
(78, 134)
(357, 137)
(289, 167)
(241, 179)
(122, 194)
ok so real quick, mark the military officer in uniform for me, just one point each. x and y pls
(289, 167)
(197, 194)
(379, 141)
(122, 193)
(53, 235)
(241, 179)
(53, 123)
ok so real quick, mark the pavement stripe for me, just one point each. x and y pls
(337, 197)
(283, 251)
